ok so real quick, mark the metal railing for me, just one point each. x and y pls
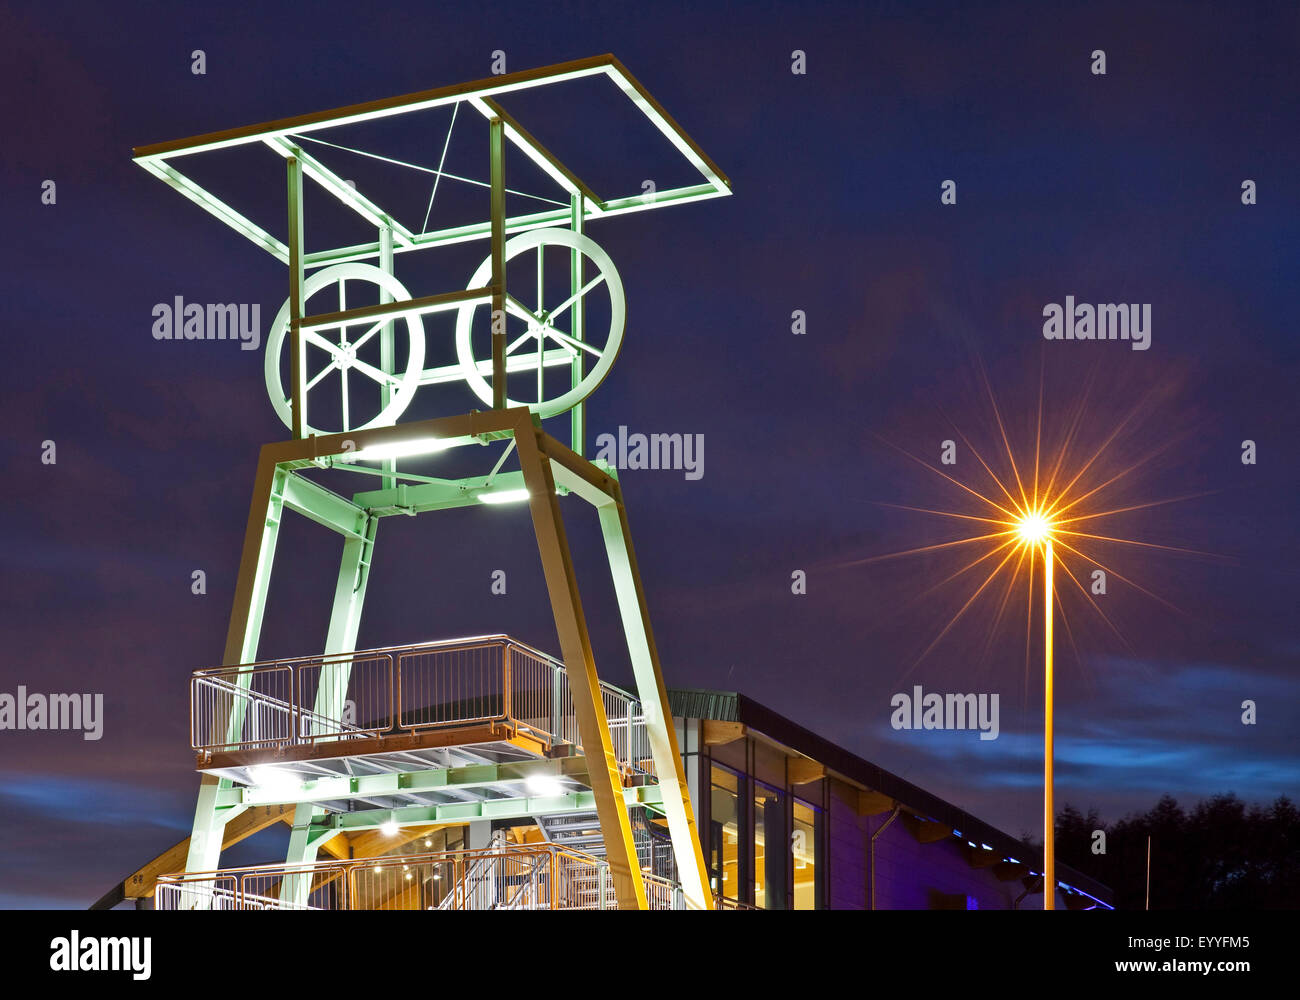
(403, 689)
(522, 877)
(727, 903)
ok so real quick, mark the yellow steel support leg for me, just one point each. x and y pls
(691, 868)
(575, 644)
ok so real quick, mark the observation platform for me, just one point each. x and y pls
(426, 735)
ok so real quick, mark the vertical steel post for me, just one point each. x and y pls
(578, 325)
(350, 591)
(691, 867)
(1049, 737)
(497, 174)
(256, 560)
(345, 617)
(603, 770)
(386, 361)
(253, 582)
(295, 889)
(209, 827)
(557, 705)
(1148, 897)
(297, 356)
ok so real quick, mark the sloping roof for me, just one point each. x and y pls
(731, 706)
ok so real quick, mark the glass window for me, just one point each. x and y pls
(725, 833)
(805, 845)
(770, 857)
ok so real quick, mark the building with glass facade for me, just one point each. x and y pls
(489, 807)
(789, 820)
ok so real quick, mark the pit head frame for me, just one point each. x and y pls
(548, 467)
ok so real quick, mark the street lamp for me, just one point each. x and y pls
(1035, 529)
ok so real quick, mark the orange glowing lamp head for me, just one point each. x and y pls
(1034, 527)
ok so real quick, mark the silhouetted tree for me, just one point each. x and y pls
(1221, 855)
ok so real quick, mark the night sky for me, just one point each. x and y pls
(1123, 187)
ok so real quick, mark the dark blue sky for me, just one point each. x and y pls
(1116, 188)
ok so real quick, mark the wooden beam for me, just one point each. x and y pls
(250, 821)
(802, 770)
(925, 831)
(376, 843)
(717, 733)
(873, 803)
(977, 857)
(338, 847)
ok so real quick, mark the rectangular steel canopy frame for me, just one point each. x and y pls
(277, 135)
(402, 104)
(423, 100)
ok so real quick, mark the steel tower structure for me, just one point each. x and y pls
(469, 730)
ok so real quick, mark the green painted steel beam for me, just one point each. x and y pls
(295, 887)
(213, 205)
(497, 221)
(465, 778)
(518, 224)
(420, 497)
(349, 598)
(297, 296)
(442, 302)
(570, 482)
(324, 507)
(577, 323)
(535, 151)
(644, 659)
(338, 187)
(556, 357)
(464, 812)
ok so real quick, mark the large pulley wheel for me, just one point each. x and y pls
(548, 340)
(342, 353)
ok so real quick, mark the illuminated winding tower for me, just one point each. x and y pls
(519, 781)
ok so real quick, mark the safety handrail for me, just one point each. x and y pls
(536, 873)
(449, 683)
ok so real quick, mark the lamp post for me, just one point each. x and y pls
(1035, 528)
(1049, 815)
